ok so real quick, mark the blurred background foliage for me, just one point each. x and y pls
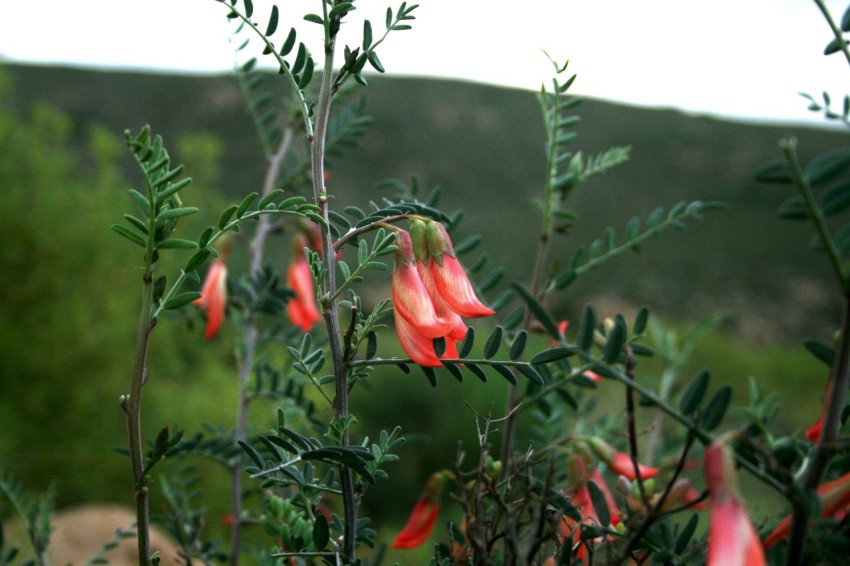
(68, 285)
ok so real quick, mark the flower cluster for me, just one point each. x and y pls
(302, 309)
(431, 293)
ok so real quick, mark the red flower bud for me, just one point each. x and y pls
(213, 297)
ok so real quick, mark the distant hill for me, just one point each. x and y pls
(484, 146)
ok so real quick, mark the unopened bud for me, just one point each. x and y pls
(624, 485)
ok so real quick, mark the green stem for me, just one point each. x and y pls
(132, 403)
(250, 338)
(789, 148)
(329, 310)
(836, 31)
(509, 434)
(825, 448)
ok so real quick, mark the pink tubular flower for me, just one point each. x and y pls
(834, 502)
(732, 540)
(213, 297)
(302, 309)
(450, 279)
(619, 462)
(424, 515)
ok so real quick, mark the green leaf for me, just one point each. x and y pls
(494, 341)
(272, 27)
(845, 20)
(375, 62)
(693, 394)
(170, 213)
(775, 171)
(269, 198)
(226, 216)
(371, 345)
(468, 341)
(454, 370)
(340, 9)
(833, 46)
(197, 259)
(552, 355)
(430, 374)
(249, 8)
(687, 533)
(586, 328)
(530, 373)
(367, 35)
(506, 373)
(140, 200)
(539, 312)
(479, 373)
(518, 345)
(321, 532)
(252, 453)
(181, 300)
(246, 202)
(641, 319)
(821, 350)
(289, 43)
(129, 234)
(827, 165)
(315, 18)
(307, 75)
(177, 244)
(600, 504)
(614, 343)
(138, 224)
(716, 408)
(793, 208)
(300, 58)
(835, 199)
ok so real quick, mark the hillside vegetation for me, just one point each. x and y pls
(484, 146)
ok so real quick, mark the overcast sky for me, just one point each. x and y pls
(745, 59)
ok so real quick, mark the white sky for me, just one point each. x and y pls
(746, 59)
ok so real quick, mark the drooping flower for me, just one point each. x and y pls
(619, 462)
(834, 499)
(422, 519)
(450, 279)
(416, 320)
(301, 309)
(213, 297)
(732, 539)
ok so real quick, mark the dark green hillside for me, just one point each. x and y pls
(484, 146)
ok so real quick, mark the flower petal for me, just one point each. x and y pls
(417, 346)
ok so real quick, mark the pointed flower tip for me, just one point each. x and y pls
(732, 539)
(621, 463)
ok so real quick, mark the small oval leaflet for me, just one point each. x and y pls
(694, 392)
(716, 408)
